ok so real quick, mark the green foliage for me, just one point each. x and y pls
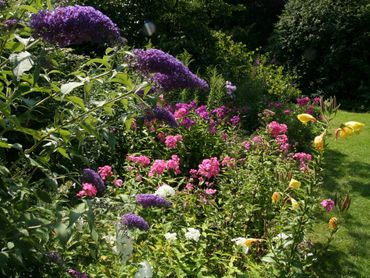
(325, 43)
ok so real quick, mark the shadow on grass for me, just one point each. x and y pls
(337, 167)
(334, 263)
(340, 176)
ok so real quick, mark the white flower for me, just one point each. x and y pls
(165, 191)
(192, 234)
(145, 270)
(245, 243)
(170, 236)
(281, 236)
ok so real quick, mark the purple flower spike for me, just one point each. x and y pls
(90, 176)
(162, 114)
(167, 72)
(74, 273)
(74, 25)
(134, 221)
(151, 200)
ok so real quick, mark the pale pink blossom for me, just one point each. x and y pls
(157, 168)
(172, 140)
(105, 172)
(209, 168)
(118, 182)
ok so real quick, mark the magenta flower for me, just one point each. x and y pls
(247, 145)
(328, 204)
(209, 168)
(180, 113)
(275, 128)
(172, 140)
(210, 191)
(202, 112)
(158, 167)
(235, 120)
(303, 101)
(141, 159)
(105, 172)
(87, 190)
(118, 182)
(174, 164)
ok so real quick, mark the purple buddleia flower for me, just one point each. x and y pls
(151, 200)
(134, 221)
(76, 274)
(167, 72)
(162, 114)
(2, 3)
(10, 23)
(74, 25)
(54, 257)
(92, 177)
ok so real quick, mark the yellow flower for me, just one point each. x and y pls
(319, 142)
(333, 223)
(249, 241)
(355, 126)
(343, 132)
(295, 204)
(294, 184)
(275, 197)
(305, 118)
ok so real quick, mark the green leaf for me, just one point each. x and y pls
(22, 63)
(43, 196)
(77, 100)
(76, 214)
(28, 8)
(69, 87)
(63, 152)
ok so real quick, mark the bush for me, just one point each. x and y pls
(325, 43)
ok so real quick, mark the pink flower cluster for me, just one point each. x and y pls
(282, 141)
(172, 140)
(303, 159)
(174, 164)
(220, 112)
(180, 113)
(228, 162)
(276, 129)
(247, 145)
(141, 159)
(235, 120)
(303, 101)
(87, 190)
(209, 168)
(328, 204)
(159, 166)
(202, 112)
(105, 172)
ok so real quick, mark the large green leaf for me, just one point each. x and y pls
(22, 62)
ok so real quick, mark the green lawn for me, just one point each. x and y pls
(347, 169)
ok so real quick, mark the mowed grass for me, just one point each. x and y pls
(347, 169)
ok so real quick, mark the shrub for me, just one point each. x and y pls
(325, 43)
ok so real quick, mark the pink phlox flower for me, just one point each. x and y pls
(187, 122)
(317, 100)
(228, 161)
(105, 172)
(87, 190)
(174, 164)
(118, 182)
(172, 140)
(303, 101)
(141, 159)
(246, 145)
(275, 128)
(257, 140)
(310, 110)
(202, 112)
(180, 113)
(220, 112)
(287, 112)
(235, 120)
(303, 158)
(157, 168)
(209, 168)
(210, 191)
(328, 204)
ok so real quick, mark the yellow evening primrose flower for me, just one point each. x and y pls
(295, 204)
(355, 126)
(343, 132)
(294, 184)
(319, 142)
(275, 197)
(333, 223)
(305, 118)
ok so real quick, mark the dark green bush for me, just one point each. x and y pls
(326, 43)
